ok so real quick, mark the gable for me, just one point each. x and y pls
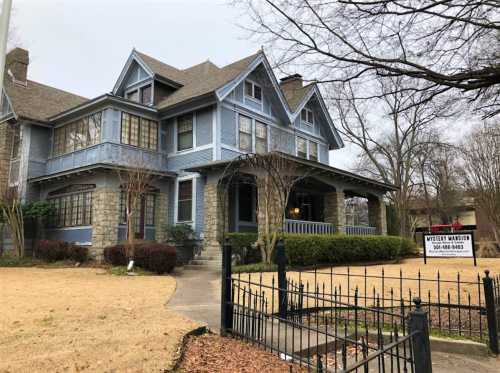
(5, 106)
(134, 72)
(135, 75)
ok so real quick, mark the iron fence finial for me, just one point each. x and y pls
(418, 302)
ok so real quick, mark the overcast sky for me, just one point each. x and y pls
(82, 45)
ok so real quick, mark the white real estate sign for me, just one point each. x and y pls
(449, 245)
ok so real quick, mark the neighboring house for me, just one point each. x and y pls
(185, 125)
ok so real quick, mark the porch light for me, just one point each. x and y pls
(296, 210)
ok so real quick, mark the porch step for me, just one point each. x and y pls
(204, 256)
(204, 262)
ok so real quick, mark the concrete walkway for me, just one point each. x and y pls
(198, 295)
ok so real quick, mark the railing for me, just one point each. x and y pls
(360, 230)
(308, 227)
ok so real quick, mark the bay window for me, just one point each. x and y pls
(77, 135)
(71, 210)
(138, 131)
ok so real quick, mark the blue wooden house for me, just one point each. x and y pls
(184, 125)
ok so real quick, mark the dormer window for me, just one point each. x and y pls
(307, 116)
(142, 95)
(253, 90)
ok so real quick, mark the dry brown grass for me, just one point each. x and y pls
(448, 270)
(70, 320)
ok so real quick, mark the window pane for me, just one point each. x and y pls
(125, 128)
(144, 133)
(146, 94)
(257, 92)
(150, 209)
(153, 135)
(88, 209)
(70, 138)
(94, 129)
(80, 137)
(134, 130)
(310, 117)
(185, 197)
(245, 142)
(313, 151)
(301, 147)
(185, 132)
(303, 115)
(245, 124)
(248, 89)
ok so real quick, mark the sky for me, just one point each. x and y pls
(81, 45)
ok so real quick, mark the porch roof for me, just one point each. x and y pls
(322, 168)
(89, 169)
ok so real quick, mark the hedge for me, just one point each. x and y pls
(311, 249)
(151, 256)
(53, 251)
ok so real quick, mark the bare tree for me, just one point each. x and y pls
(390, 143)
(135, 182)
(450, 46)
(481, 172)
(13, 213)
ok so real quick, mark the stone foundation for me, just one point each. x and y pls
(214, 206)
(161, 214)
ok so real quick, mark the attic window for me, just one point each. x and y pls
(253, 90)
(146, 94)
(307, 116)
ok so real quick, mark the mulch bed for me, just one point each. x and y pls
(212, 354)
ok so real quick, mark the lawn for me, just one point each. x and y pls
(84, 319)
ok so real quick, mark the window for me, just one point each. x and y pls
(147, 203)
(253, 90)
(16, 143)
(146, 94)
(133, 96)
(185, 201)
(137, 131)
(313, 151)
(245, 132)
(77, 135)
(260, 138)
(71, 210)
(185, 132)
(307, 116)
(301, 147)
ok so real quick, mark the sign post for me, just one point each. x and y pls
(449, 245)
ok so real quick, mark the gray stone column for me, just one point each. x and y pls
(161, 213)
(215, 219)
(105, 211)
(334, 209)
(377, 214)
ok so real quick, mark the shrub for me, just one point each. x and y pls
(151, 256)
(179, 233)
(242, 245)
(116, 255)
(52, 251)
(309, 249)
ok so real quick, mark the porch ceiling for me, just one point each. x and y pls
(319, 170)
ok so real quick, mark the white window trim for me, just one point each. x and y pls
(191, 222)
(252, 98)
(253, 129)
(310, 124)
(176, 135)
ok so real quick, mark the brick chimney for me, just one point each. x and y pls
(16, 62)
(291, 82)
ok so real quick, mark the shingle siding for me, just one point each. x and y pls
(183, 161)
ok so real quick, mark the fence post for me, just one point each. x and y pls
(420, 341)
(282, 288)
(226, 304)
(489, 300)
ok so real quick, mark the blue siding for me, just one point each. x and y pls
(111, 126)
(227, 154)
(228, 134)
(77, 235)
(109, 153)
(204, 127)
(183, 161)
(169, 126)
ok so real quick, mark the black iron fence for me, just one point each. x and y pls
(322, 331)
(352, 316)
